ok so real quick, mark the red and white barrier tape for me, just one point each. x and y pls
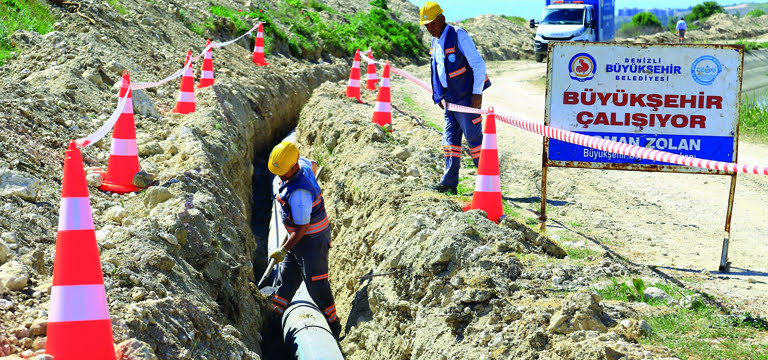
(593, 142)
(104, 129)
(110, 123)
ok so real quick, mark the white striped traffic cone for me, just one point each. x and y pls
(124, 154)
(206, 75)
(487, 196)
(373, 78)
(186, 101)
(353, 86)
(78, 318)
(258, 48)
(382, 113)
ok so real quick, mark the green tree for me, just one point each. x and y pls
(704, 10)
(756, 12)
(646, 19)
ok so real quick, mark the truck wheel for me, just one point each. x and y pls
(539, 57)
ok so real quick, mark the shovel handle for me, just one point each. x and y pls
(266, 273)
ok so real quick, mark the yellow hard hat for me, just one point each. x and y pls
(283, 157)
(429, 12)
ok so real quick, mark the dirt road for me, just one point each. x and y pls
(671, 221)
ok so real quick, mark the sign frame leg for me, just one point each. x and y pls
(725, 265)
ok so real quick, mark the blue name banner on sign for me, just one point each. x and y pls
(705, 147)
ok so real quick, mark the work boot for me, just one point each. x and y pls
(335, 329)
(445, 189)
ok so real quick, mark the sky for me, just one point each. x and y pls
(455, 10)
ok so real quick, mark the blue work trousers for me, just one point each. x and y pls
(308, 262)
(456, 124)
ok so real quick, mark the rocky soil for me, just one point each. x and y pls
(177, 258)
(500, 39)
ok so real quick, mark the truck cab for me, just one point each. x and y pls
(587, 20)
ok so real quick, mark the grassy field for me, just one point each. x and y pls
(754, 120)
(22, 15)
(698, 332)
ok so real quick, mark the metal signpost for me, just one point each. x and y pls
(683, 99)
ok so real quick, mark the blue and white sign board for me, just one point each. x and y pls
(683, 99)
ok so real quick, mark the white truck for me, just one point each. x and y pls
(585, 20)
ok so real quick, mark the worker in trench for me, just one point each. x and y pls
(458, 77)
(304, 255)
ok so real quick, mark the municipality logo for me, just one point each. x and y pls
(582, 67)
(706, 69)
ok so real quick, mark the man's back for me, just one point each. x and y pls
(681, 25)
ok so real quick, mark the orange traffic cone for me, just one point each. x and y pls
(124, 155)
(382, 113)
(186, 102)
(487, 195)
(373, 78)
(353, 86)
(258, 49)
(206, 75)
(78, 319)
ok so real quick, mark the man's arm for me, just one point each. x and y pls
(467, 47)
(301, 209)
(296, 236)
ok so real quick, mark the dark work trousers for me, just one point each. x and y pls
(456, 124)
(307, 261)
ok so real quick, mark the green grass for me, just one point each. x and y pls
(195, 28)
(752, 45)
(517, 20)
(465, 185)
(754, 119)
(119, 8)
(510, 209)
(580, 253)
(16, 15)
(706, 333)
(308, 33)
(620, 290)
(433, 125)
(576, 224)
(411, 105)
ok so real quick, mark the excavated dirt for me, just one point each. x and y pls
(500, 39)
(176, 258)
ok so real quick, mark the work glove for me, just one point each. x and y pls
(279, 254)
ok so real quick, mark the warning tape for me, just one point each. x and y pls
(591, 141)
(110, 123)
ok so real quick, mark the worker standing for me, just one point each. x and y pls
(458, 77)
(304, 255)
(681, 27)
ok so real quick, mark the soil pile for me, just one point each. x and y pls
(498, 38)
(442, 283)
(716, 28)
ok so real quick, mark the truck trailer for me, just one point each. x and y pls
(584, 20)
